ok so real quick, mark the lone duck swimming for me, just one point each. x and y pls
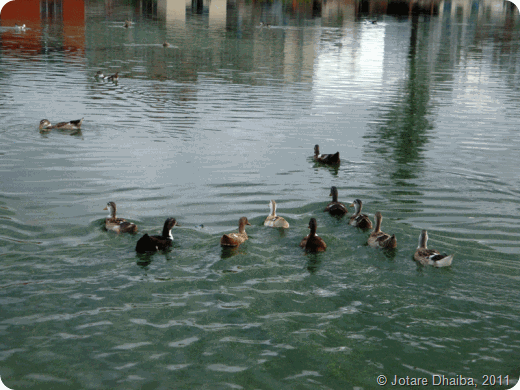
(331, 159)
(45, 125)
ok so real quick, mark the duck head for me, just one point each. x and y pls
(111, 207)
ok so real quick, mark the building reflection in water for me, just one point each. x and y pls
(172, 10)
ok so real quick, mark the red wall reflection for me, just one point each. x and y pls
(69, 14)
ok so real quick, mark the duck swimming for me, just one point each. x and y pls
(360, 220)
(331, 159)
(427, 256)
(235, 239)
(166, 44)
(274, 220)
(114, 77)
(45, 125)
(118, 225)
(99, 75)
(127, 24)
(335, 207)
(154, 243)
(378, 239)
(20, 28)
(313, 243)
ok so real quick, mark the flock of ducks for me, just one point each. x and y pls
(311, 243)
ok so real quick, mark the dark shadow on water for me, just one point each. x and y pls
(144, 259)
(230, 251)
(333, 169)
(313, 262)
(390, 253)
(75, 133)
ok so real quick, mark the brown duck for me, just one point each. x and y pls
(45, 125)
(235, 239)
(335, 207)
(360, 220)
(378, 239)
(118, 225)
(427, 256)
(313, 243)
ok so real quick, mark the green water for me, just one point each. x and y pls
(424, 111)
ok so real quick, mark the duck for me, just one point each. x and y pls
(313, 243)
(154, 243)
(427, 256)
(166, 44)
(114, 77)
(45, 125)
(378, 239)
(274, 220)
(263, 24)
(235, 239)
(127, 24)
(332, 159)
(21, 28)
(118, 225)
(360, 220)
(335, 207)
(99, 75)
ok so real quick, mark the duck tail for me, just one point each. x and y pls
(444, 262)
(226, 241)
(144, 244)
(128, 227)
(391, 242)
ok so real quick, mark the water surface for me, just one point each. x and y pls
(424, 111)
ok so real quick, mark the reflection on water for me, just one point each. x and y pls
(422, 102)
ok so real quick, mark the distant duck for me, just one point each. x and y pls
(128, 23)
(118, 225)
(19, 28)
(45, 125)
(360, 220)
(274, 220)
(331, 159)
(335, 207)
(99, 75)
(427, 256)
(166, 44)
(114, 77)
(262, 24)
(313, 243)
(378, 239)
(235, 239)
(154, 243)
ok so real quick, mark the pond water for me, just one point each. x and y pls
(424, 110)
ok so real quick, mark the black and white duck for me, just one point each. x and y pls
(154, 243)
